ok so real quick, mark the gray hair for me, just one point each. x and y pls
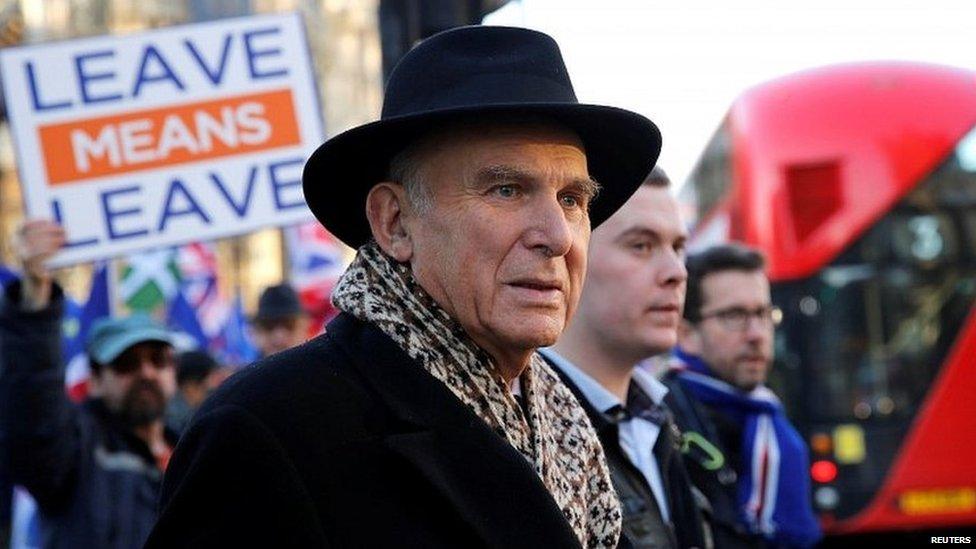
(406, 169)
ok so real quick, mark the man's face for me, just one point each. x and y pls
(635, 285)
(740, 355)
(276, 335)
(139, 383)
(503, 247)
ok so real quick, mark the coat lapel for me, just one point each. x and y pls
(492, 486)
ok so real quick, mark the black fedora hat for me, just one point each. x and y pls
(278, 302)
(475, 72)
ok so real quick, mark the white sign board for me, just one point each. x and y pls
(160, 138)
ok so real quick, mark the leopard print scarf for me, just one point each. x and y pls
(556, 438)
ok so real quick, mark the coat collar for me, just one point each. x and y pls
(490, 483)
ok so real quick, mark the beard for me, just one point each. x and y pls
(143, 403)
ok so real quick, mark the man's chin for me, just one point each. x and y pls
(532, 334)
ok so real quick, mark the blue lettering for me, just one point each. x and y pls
(36, 96)
(241, 208)
(84, 77)
(217, 74)
(191, 207)
(278, 186)
(56, 207)
(253, 54)
(142, 76)
(111, 214)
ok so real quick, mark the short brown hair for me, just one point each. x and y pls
(657, 178)
(724, 257)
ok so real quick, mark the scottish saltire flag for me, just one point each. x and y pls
(233, 346)
(199, 282)
(74, 327)
(317, 260)
(182, 319)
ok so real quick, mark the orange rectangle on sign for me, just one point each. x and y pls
(155, 138)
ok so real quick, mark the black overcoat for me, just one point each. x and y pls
(347, 442)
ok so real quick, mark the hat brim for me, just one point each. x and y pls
(621, 149)
(271, 317)
(118, 345)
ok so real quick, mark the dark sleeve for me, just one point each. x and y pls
(231, 484)
(38, 423)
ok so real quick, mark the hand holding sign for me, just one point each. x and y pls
(35, 242)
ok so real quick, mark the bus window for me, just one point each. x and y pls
(894, 302)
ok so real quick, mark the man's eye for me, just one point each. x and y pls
(506, 191)
(736, 314)
(570, 201)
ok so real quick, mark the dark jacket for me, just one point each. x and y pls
(718, 485)
(347, 442)
(641, 514)
(95, 484)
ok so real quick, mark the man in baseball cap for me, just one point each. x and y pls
(95, 468)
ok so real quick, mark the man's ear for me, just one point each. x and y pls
(385, 206)
(688, 338)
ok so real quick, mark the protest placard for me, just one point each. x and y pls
(169, 136)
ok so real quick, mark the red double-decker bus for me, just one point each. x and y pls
(858, 182)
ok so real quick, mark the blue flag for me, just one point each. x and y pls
(236, 348)
(183, 318)
(74, 328)
(6, 275)
(78, 319)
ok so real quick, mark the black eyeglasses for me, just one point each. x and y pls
(737, 319)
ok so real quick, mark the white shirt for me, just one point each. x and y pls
(636, 435)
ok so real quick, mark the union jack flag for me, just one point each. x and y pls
(198, 269)
(317, 260)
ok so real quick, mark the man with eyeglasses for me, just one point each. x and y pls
(94, 469)
(629, 310)
(739, 447)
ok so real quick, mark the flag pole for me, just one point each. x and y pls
(113, 287)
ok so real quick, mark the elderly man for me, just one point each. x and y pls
(424, 417)
(95, 469)
(747, 458)
(630, 310)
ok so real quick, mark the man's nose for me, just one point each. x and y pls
(147, 368)
(549, 230)
(673, 271)
(758, 328)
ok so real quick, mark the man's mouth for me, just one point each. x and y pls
(538, 289)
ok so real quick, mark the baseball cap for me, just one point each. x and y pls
(110, 337)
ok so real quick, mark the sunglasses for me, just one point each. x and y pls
(160, 355)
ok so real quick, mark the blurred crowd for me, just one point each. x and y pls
(471, 390)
